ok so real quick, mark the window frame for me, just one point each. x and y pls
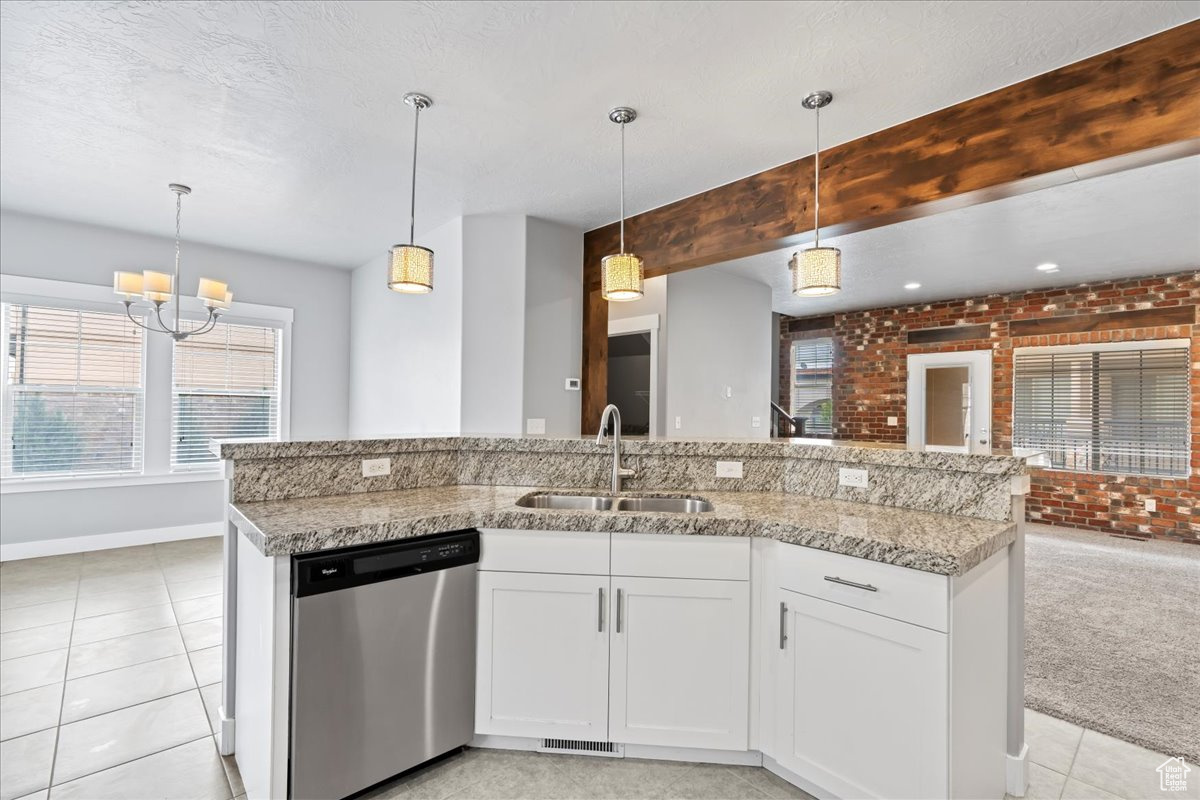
(793, 344)
(157, 412)
(1114, 347)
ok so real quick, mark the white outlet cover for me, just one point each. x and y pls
(535, 426)
(1151, 505)
(756, 422)
(678, 423)
(376, 467)
(729, 469)
(852, 477)
(893, 420)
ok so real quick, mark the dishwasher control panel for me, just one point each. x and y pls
(342, 569)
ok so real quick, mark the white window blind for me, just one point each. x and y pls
(225, 386)
(73, 392)
(1094, 410)
(812, 384)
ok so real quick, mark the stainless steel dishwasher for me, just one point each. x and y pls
(383, 661)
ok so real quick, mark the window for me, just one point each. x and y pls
(812, 384)
(73, 392)
(1108, 409)
(225, 386)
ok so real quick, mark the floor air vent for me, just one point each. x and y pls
(581, 748)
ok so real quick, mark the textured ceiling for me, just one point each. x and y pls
(1131, 223)
(286, 118)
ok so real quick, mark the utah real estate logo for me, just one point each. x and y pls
(1172, 775)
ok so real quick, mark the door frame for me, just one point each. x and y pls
(643, 324)
(979, 364)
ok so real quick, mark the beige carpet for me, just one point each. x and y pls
(1113, 636)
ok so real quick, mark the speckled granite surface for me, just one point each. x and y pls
(945, 483)
(939, 543)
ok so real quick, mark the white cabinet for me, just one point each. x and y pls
(680, 660)
(862, 701)
(542, 656)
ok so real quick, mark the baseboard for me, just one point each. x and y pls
(107, 541)
(1016, 772)
(773, 766)
(750, 758)
(225, 734)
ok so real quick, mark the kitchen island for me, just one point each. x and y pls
(801, 622)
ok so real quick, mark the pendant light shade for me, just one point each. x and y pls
(410, 270)
(622, 275)
(817, 271)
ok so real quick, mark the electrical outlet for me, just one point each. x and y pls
(756, 422)
(374, 467)
(1151, 505)
(852, 477)
(678, 423)
(535, 426)
(729, 469)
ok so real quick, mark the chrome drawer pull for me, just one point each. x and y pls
(600, 612)
(868, 587)
(783, 626)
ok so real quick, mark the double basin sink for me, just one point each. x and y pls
(576, 502)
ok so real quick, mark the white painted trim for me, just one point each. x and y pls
(647, 323)
(107, 541)
(1016, 772)
(24, 485)
(774, 767)
(1107, 347)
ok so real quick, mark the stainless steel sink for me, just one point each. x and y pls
(566, 502)
(683, 505)
(576, 502)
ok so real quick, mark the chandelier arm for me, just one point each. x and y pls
(208, 325)
(165, 327)
(133, 319)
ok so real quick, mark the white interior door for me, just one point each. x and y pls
(950, 402)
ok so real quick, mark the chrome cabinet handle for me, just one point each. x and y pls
(600, 610)
(783, 637)
(866, 586)
(619, 599)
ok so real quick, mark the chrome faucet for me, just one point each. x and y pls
(618, 472)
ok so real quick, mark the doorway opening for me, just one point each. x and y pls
(629, 381)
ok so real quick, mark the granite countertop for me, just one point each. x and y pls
(938, 543)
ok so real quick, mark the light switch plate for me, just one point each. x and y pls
(535, 426)
(375, 467)
(729, 469)
(678, 423)
(893, 421)
(852, 477)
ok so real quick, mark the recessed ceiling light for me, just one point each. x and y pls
(912, 285)
(1047, 267)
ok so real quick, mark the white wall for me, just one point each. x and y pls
(320, 296)
(720, 337)
(553, 325)
(492, 344)
(406, 349)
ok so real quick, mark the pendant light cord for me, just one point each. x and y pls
(412, 205)
(817, 185)
(622, 188)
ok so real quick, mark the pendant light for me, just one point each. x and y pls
(817, 271)
(622, 274)
(159, 287)
(411, 268)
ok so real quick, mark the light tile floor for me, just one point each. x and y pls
(110, 680)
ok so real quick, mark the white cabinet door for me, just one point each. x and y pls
(861, 701)
(543, 656)
(680, 662)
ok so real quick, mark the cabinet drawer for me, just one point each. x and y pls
(657, 555)
(909, 595)
(566, 552)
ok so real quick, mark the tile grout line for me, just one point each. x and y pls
(62, 699)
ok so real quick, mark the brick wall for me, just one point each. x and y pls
(870, 375)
